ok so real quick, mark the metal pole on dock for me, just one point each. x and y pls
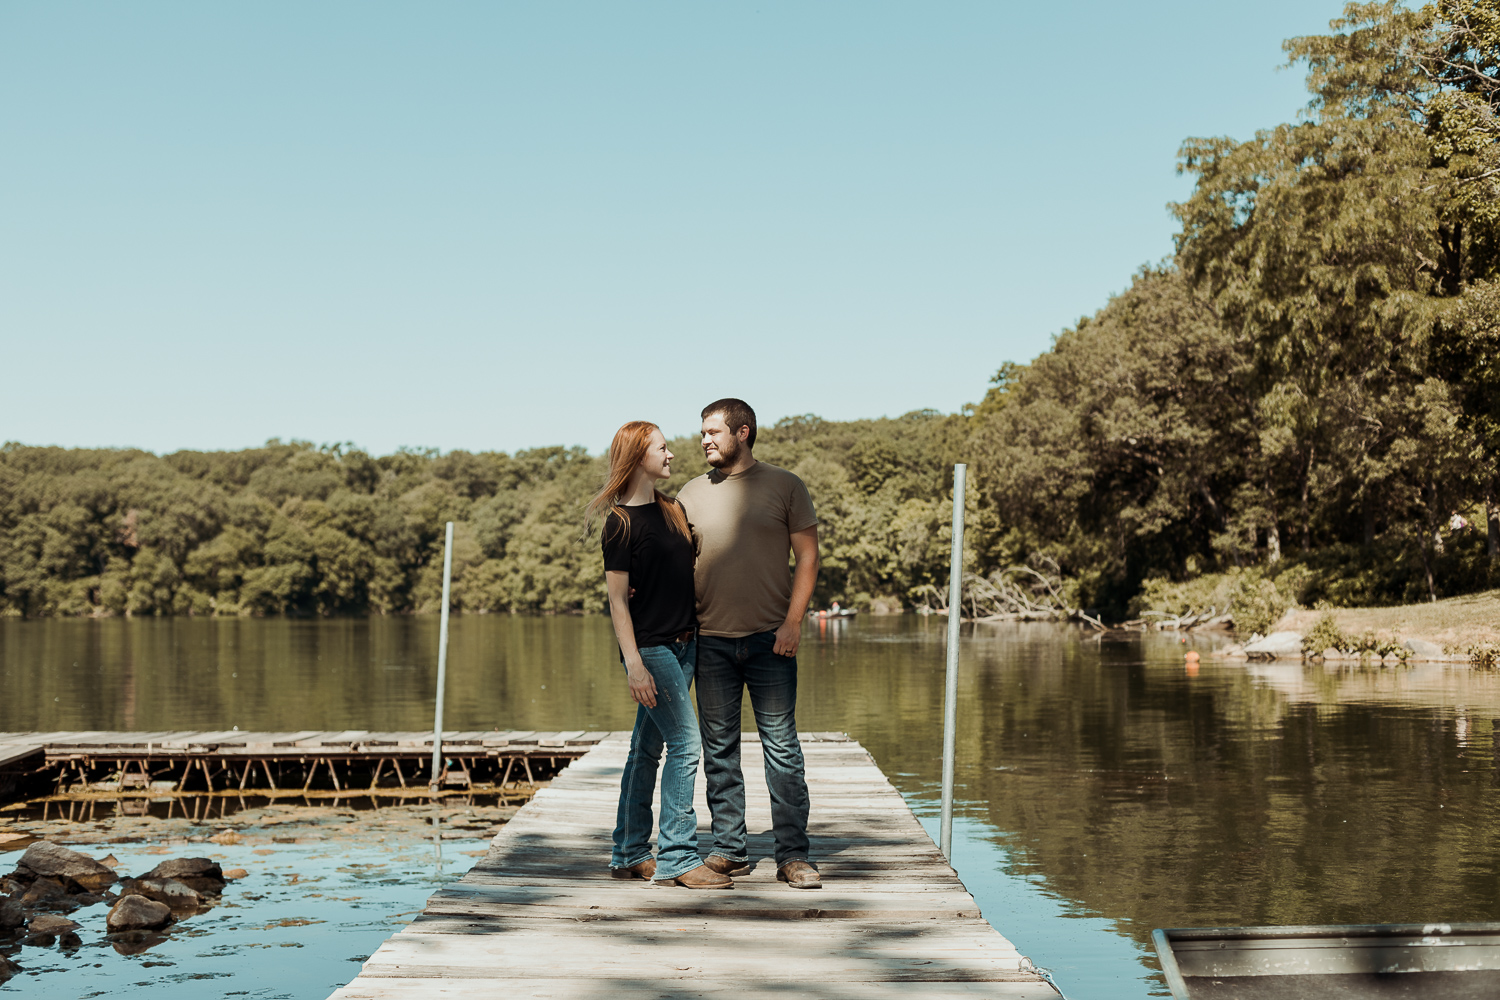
(437, 718)
(950, 693)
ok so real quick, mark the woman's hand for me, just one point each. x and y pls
(642, 684)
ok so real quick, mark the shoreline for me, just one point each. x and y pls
(1464, 629)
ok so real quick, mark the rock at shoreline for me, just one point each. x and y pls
(235, 874)
(12, 915)
(49, 925)
(1421, 649)
(47, 892)
(137, 913)
(77, 872)
(200, 874)
(176, 894)
(1276, 646)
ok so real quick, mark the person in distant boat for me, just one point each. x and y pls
(648, 572)
(748, 517)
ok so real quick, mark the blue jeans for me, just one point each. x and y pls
(671, 725)
(725, 668)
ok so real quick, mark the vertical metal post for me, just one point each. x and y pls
(437, 718)
(950, 694)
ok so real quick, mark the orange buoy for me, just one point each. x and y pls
(1192, 656)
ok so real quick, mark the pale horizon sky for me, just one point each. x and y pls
(498, 226)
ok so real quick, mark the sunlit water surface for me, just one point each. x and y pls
(1102, 789)
(298, 925)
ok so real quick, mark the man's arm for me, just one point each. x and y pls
(805, 549)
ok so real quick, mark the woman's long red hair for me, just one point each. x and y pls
(625, 454)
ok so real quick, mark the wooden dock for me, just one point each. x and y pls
(230, 760)
(539, 916)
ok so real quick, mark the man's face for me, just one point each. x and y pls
(720, 447)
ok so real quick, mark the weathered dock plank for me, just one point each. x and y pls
(539, 915)
(17, 751)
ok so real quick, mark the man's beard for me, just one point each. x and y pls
(727, 456)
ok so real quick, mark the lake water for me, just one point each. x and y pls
(1103, 790)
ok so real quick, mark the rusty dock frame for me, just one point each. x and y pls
(215, 762)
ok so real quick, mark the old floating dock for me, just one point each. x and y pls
(224, 761)
(539, 916)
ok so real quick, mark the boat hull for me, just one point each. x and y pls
(1432, 961)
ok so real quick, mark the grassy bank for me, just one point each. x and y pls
(1455, 623)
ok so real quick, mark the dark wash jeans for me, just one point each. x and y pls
(725, 668)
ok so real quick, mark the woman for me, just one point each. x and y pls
(648, 570)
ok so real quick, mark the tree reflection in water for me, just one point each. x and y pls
(1100, 771)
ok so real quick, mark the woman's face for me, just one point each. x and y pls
(657, 462)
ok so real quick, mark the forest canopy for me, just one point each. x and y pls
(1306, 394)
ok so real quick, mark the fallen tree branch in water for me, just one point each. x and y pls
(1166, 621)
(1014, 594)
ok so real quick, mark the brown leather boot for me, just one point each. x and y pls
(702, 877)
(724, 866)
(645, 869)
(799, 875)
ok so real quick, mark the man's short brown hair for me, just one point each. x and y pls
(736, 414)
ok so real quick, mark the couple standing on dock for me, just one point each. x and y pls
(699, 586)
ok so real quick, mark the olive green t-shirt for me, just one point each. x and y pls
(743, 525)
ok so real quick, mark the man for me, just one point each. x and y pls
(746, 516)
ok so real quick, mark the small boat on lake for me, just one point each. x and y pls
(1352, 962)
(834, 612)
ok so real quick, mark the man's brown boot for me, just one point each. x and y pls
(702, 877)
(724, 866)
(799, 875)
(645, 869)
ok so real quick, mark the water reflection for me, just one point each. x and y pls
(1102, 774)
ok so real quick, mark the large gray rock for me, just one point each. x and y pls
(1276, 646)
(137, 913)
(200, 874)
(177, 894)
(1421, 649)
(12, 914)
(77, 872)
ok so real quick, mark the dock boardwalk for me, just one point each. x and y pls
(540, 917)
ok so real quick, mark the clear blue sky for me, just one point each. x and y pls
(499, 225)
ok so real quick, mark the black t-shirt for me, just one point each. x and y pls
(660, 563)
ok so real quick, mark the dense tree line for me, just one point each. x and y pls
(299, 529)
(1306, 397)
(1310, 386)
